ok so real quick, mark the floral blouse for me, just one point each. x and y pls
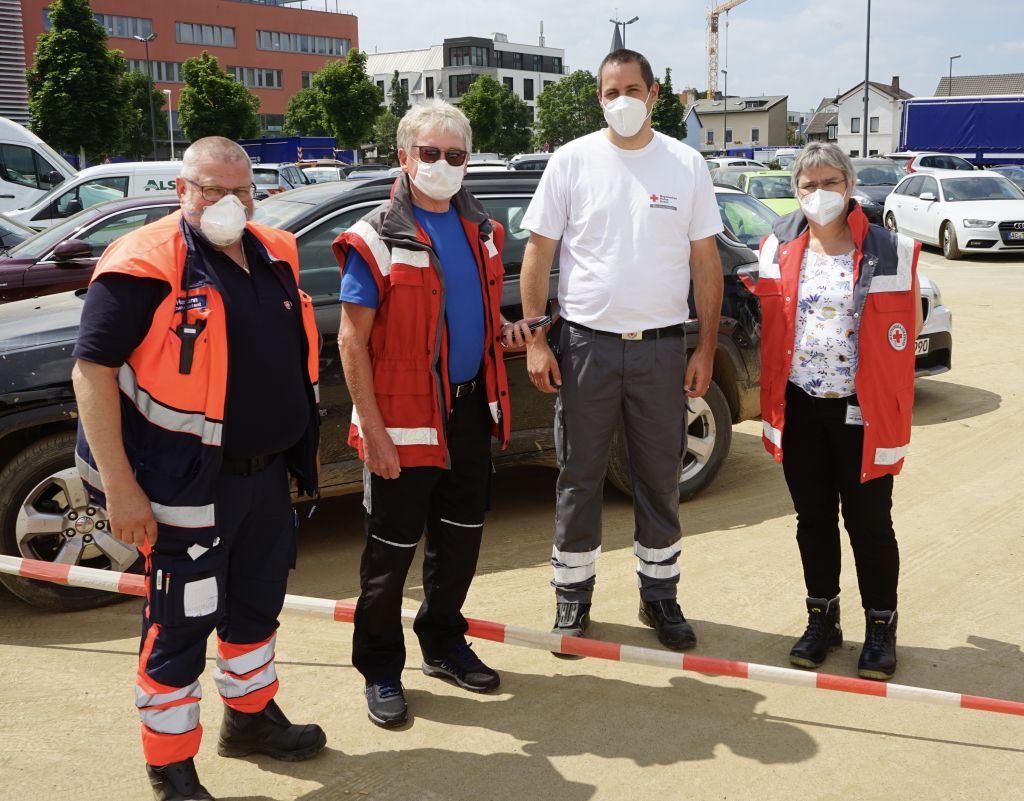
(825, 348)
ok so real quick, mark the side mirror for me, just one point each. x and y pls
(54, 178)
(929, 196)
(72, 250)
(73, 207)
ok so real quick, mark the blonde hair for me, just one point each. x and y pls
(433, 115)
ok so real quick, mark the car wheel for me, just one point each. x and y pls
(45, 514)
(890, 222)
(708, 439)
(950, 248)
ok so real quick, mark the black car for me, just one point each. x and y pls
(44, 513)
(876, 178)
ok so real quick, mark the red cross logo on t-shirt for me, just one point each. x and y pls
(654, 198)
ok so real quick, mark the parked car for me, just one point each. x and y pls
(321, 175)
(39, 487)
(1014, 172)
(773, 187)
(531, 162)
(729, 176)
(876, 178)
(745, 218)
(722, 161)
(11, 233)
(63, 256)
(273, 178)
(900, 158)
(977, 212)
(29, 168)
(933, 349)
(380, 169)
(927, 162)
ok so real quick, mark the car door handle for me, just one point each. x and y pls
(7, 197)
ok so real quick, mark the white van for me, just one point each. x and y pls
(29, 168)
(94, 185)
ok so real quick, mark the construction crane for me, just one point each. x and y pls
(713, 13)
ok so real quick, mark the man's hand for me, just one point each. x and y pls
(542, 366)
(699, 370)
(381, 454)
(517, 335)
(130, 513)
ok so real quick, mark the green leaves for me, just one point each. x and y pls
(567, 110)
(215, 104)
(669, 115)
(138, 137)
(341, 102)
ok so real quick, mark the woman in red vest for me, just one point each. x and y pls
(840, 311)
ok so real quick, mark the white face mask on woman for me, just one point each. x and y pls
(223, 222)
(626, 115)
(822, 206)
(438, 180)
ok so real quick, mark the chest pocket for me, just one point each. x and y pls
(888, 301)
(404, 275)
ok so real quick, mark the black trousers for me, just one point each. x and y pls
(450, 506)
(822, 460)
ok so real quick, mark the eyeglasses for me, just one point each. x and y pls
(428, 155)
(830, 185)
(212, 194)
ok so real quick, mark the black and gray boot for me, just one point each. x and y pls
(177, 782)
(822, 635)
(878, 658)
(268, 732)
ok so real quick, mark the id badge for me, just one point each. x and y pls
(854, 416)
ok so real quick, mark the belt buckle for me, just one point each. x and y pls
(633, 335)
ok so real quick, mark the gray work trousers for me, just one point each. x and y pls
(606, 379)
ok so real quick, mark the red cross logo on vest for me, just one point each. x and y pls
(897, 336)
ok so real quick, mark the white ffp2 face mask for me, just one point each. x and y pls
(626, 115)
(822, 206)
(223, 222)
(439, 180)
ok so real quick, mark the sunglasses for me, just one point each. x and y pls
(428, 155)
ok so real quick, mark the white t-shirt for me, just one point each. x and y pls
(626, 219)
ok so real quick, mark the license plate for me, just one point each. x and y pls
(921, 346)
(1015, 235)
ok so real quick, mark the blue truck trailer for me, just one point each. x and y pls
(985, 130)
(279, 149)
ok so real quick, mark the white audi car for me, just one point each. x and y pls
(961, 212)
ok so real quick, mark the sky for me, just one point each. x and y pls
(806, 49)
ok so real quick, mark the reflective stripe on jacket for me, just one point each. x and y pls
(409, 341)
(884, 267)
(173, 421)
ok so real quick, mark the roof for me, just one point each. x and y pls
(430, 58)
(825, 104)
(1010, 83)
(692, 109)
(883, 88)
(819, 122)
(738, 105)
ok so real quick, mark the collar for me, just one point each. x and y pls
(399, 225)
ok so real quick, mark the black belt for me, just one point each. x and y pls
(249, 466)
(468, 388)
(676, 330)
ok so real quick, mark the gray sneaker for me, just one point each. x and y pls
(385, 703)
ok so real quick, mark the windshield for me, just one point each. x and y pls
(279, 212)
(770, 186)
(879, 175)
(747, 219)
(36, 247)
(265, 177)
(982, 187)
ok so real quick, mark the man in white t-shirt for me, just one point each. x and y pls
(636, 215)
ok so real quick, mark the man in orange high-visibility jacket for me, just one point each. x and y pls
(196, 379)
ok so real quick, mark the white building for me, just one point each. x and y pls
(694, 128)
(447, 70)
(885, 106)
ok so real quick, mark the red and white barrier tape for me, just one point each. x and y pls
(132, 584)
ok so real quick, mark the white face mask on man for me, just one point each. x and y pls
(223, 222)
(823, 206)
(626, 115)
(438, 180)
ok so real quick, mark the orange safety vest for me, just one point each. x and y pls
(409, 341)
(884, 267)
(173, 418)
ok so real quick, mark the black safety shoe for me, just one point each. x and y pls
(268, 732)
(464, 668)
(878, 657)
(572, 618)
(822, 635)
(667, 619)
(385, 703)
(177, 782)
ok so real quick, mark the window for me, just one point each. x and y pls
(23, 166)
(755, 134)
(271, 123)
(855, 125)
(854, 154)
(118, 225)
(318, 274)
(430, 87)
(556, 64)
(510, 83)
(873, 124)
(198, 34)
(116, 27)
(404, 83)
(89, 194)
(527, 88)
(307, 79)
(499, 58)
(929, 184)
(256, 77)
(517, 61)
(911, 188)
(711, 137)
(537, 63)
(832, 132)
(547, 84)
(509, 211)
(469, 57)
(458, 85)
(302, 43)
(163, 71)
(872, 152)
(728, 135)
(380, 88)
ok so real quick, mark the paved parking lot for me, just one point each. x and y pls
(579, 730)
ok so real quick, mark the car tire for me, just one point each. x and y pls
(890, 222)
(709, 437)
(950, 247)
(40, 491)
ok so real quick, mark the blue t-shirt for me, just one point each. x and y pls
(464, 310)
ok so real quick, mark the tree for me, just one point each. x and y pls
(399, 97)
(215, 104)
(669, 116)
(567, 109)
(516, 119)
(481, 104)
(385, 136)
(138, 136)
(350, 101)
(305, 115)
(76, 96)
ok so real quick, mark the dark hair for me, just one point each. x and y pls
(625, 56)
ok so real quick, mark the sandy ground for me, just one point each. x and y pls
(587, 729)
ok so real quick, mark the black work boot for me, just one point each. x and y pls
(268, 732)
(177, 782)
(878, 658)
(821, 636)
(666, 618)
(572, 619)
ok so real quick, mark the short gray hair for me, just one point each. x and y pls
(215, 148)
(433, 115)
(823, 154)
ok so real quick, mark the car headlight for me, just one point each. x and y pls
(936, 295)
(979, 223)
(864, 200)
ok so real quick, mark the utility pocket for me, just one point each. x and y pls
(184, 591)
(888, 301)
